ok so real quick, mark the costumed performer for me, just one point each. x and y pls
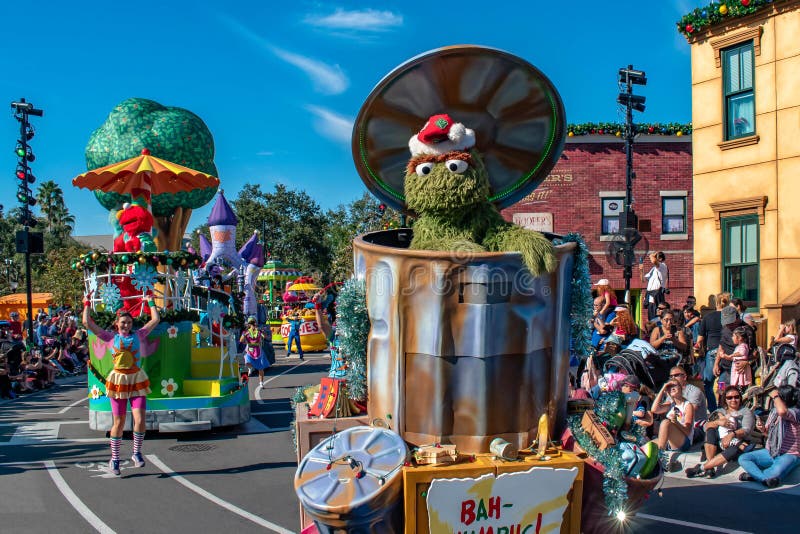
(254, 356)
(295, 319)
(126, 381)
(338, 365)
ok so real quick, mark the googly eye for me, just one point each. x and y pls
(424, 168)
(457, 166)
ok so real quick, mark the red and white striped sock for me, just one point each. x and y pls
(138, 438)
(115, 444)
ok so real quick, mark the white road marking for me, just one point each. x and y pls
(690, 524)
(34, 433)
(257, 393)
(74, 501)
(216, 500)
(64, 410)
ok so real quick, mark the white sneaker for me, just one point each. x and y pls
(261, 384)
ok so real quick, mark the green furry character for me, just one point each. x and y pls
(447, 186)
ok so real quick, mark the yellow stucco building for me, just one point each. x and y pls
(746, 146)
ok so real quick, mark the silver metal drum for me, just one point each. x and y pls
(352, 482)
(464, 348)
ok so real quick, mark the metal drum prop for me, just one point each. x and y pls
(465, 348)
(352, 482)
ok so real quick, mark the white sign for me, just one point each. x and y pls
(529, 502)
(541, 222)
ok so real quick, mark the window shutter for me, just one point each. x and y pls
(746, 55)
(732, 71)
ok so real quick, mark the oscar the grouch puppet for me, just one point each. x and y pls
(447, 186)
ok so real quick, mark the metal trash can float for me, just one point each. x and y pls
(352, 482)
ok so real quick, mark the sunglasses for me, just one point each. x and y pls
(733, 397)
(677, 375)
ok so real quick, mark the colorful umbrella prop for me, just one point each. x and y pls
(145, 172)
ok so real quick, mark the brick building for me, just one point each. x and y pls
(585, 193)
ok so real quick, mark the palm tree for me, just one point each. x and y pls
(62, 221)
(50, 198)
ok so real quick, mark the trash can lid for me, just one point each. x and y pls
(515, 110)
(349, 469)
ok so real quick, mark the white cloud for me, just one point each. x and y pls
(331, 125)
(365, 20)
(265, 153)
(327, 79)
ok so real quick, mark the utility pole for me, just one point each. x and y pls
(628, 77)
(27, 242)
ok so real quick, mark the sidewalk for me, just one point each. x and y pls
(729, 474)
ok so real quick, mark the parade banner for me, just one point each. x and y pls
(529, 502)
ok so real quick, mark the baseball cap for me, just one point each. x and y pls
(728, 315)
(631, 380)
(603, 282)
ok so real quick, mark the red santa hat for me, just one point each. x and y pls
(441, 135)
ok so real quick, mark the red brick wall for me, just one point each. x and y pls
(571, 194)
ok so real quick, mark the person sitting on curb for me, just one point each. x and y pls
(691, 393)
(729, 430)
(675, 431)
(782, 451)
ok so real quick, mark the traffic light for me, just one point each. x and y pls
(636, 102)
(628, 77)
(23, 151)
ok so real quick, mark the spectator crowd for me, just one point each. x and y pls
(58, 348)
(698, 379)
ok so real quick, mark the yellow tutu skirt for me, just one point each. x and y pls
(127, 383)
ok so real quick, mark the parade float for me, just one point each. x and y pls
(471, 319)
(195, 385)
(272, 281)
(296, 299)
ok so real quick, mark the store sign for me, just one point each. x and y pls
(528, 502)
(541, 222)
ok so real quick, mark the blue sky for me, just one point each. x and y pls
(279, 83)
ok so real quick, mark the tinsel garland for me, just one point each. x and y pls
(581, 305)
(299, 397)
(615, 488)
(352, 329)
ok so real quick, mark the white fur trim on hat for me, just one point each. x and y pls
(460, 138)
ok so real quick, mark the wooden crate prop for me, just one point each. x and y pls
(600, 435)
(417, 481)
(310, 431)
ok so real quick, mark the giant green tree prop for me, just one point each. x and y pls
(171, 133)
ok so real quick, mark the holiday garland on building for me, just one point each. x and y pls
(618, 129)
(702, 17)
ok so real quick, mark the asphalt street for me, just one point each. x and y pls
(53, 477)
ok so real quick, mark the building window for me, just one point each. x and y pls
(738, 87)
(612, 209)
(740, 258)
(673, 218)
